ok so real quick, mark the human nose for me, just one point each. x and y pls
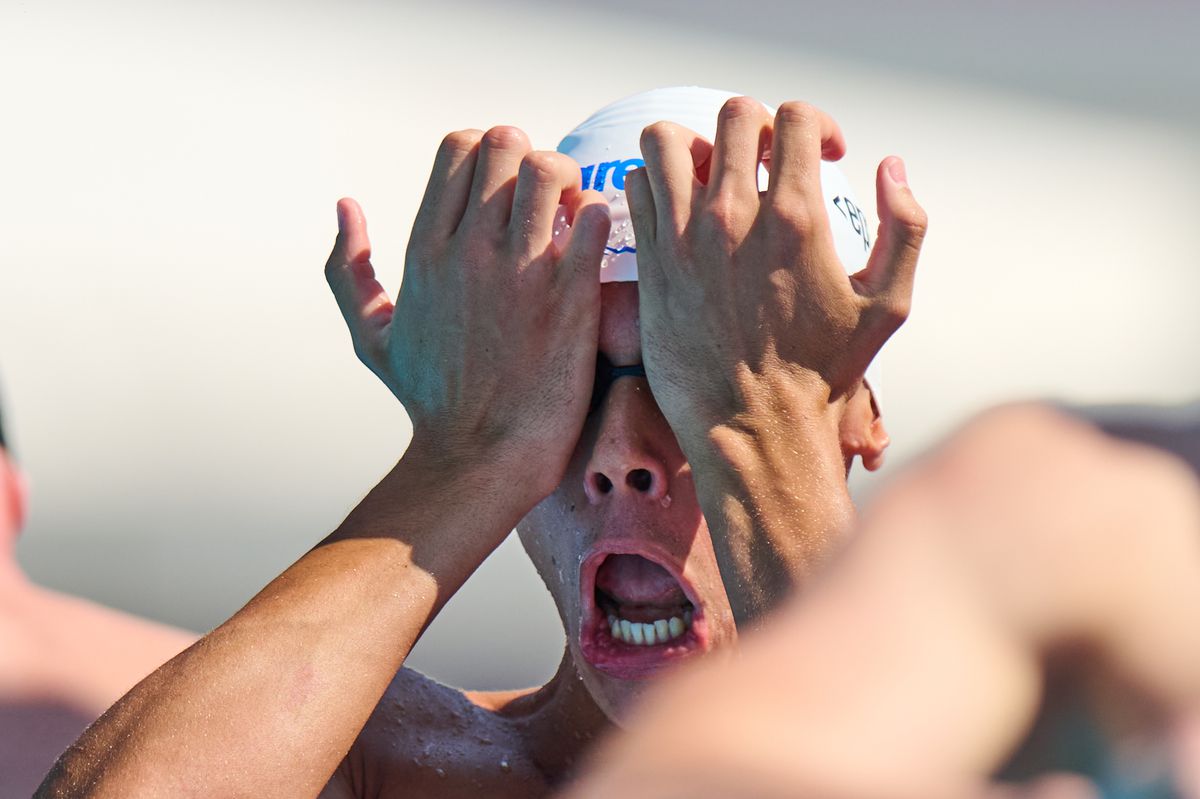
(625, 461)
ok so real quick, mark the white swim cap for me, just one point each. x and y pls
(607, 146)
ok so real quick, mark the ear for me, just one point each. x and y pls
(15, 499)
(862, 432)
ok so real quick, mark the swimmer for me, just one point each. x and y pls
(662, 510)
(63, 660)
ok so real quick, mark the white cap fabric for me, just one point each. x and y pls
(607, 146)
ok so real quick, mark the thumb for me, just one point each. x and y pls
(364, 303)
(891, 268)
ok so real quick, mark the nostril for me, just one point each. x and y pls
(639, 480)
(603, 484)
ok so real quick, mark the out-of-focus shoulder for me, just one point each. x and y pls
(1173, 428)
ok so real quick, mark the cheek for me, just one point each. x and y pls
(555, 535)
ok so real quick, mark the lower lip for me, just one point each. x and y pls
(631, 662)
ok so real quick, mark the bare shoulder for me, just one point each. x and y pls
(428, 739)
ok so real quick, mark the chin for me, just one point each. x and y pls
(617, 698)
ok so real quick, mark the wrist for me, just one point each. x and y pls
(509, 481)
(446, 511)
(772, 485)
(782, 462)
(768, 417)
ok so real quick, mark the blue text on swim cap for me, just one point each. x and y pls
(595, 176)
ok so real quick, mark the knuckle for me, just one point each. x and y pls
(482, 243)
(503, 137)
(724, 210)
(461, 141)
(914, 223)
(333, 268)
(541, 166)
(791, 217)
(796, 112)
(658, 134)
(591, 202)
(895, 308)
(740, 107)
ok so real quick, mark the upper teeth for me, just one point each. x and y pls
(649, 633)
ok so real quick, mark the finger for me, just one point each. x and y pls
(803, 135)
(364, 303)
(545, 181)
(743, 131)
(641, 213)
(640, 199)
(449, 184)
(892, 266)
(500, 154)
(672, 154)
(579, 265)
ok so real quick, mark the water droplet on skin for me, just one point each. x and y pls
(665, 501)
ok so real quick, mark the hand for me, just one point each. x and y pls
(742, 295)
(491, 346)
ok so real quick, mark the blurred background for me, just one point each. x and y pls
(178, 383)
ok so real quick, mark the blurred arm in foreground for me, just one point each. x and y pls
(1028, 542)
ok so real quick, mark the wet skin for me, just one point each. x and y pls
(428, 739)
(436, 740)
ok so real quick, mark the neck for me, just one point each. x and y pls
(560, 721)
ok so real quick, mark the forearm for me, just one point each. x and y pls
(772, 485)
(269, 702)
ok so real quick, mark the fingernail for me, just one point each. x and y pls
(896, 171)
(341, 218)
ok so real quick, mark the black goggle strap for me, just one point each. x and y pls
(606, 374)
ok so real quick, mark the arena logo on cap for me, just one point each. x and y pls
(598, 176)
(856, 218)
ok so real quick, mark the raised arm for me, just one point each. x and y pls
(491, 349)
(755, 341)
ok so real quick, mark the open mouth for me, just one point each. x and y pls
(639, 616)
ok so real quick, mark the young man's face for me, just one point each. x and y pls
(622, 537)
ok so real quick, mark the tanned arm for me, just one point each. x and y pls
(269, 703)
